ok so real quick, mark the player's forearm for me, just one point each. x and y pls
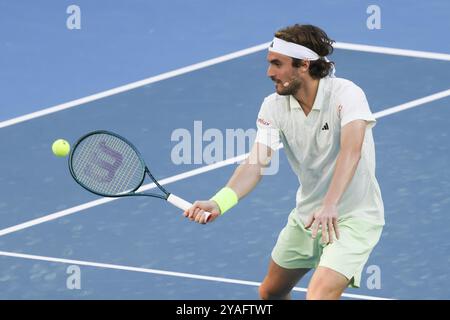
(245, 178)
(346, 164)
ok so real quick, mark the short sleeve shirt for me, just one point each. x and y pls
(312, 144)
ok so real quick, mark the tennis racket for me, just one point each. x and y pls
(108, 165)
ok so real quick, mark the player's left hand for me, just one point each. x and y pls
(325, 217)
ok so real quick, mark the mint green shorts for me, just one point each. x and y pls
(295, 248)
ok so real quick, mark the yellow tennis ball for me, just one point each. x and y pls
(60, 148)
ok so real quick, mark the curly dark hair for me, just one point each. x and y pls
(313, 38)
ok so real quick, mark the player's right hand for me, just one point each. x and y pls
(196, 212)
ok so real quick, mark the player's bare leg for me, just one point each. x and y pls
(278, 283)
(326, 284)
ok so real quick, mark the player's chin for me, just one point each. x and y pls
(282, 91)
(278, 88)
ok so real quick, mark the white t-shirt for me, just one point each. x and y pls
(312, 144)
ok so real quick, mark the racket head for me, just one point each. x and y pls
(107, 164)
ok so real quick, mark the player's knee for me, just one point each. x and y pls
(267, 293)
(322, 292)
(314, 295)
(263, 292)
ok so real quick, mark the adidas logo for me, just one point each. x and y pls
(325, 127)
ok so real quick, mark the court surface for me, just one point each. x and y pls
(142, 248)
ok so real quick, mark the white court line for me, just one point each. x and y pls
(161, 272)
(207, 63)
(393, 51)
(178, 177)
(133, 85)
(412, 104)
(101, 201)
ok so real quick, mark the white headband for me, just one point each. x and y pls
(298, 51)
(292, 50)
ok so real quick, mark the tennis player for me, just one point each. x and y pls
(325, 125)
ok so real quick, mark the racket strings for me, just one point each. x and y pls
(130, 168)
(107, 165)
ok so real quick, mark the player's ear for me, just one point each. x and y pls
(301, 66)
(304, 66)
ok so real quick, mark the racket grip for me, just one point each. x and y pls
(183, 204)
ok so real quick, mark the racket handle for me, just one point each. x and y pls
(183, 204)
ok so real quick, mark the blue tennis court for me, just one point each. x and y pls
(142, 248)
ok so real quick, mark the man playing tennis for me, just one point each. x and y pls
(325, 125)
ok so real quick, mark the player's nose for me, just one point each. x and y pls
(270, 72)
